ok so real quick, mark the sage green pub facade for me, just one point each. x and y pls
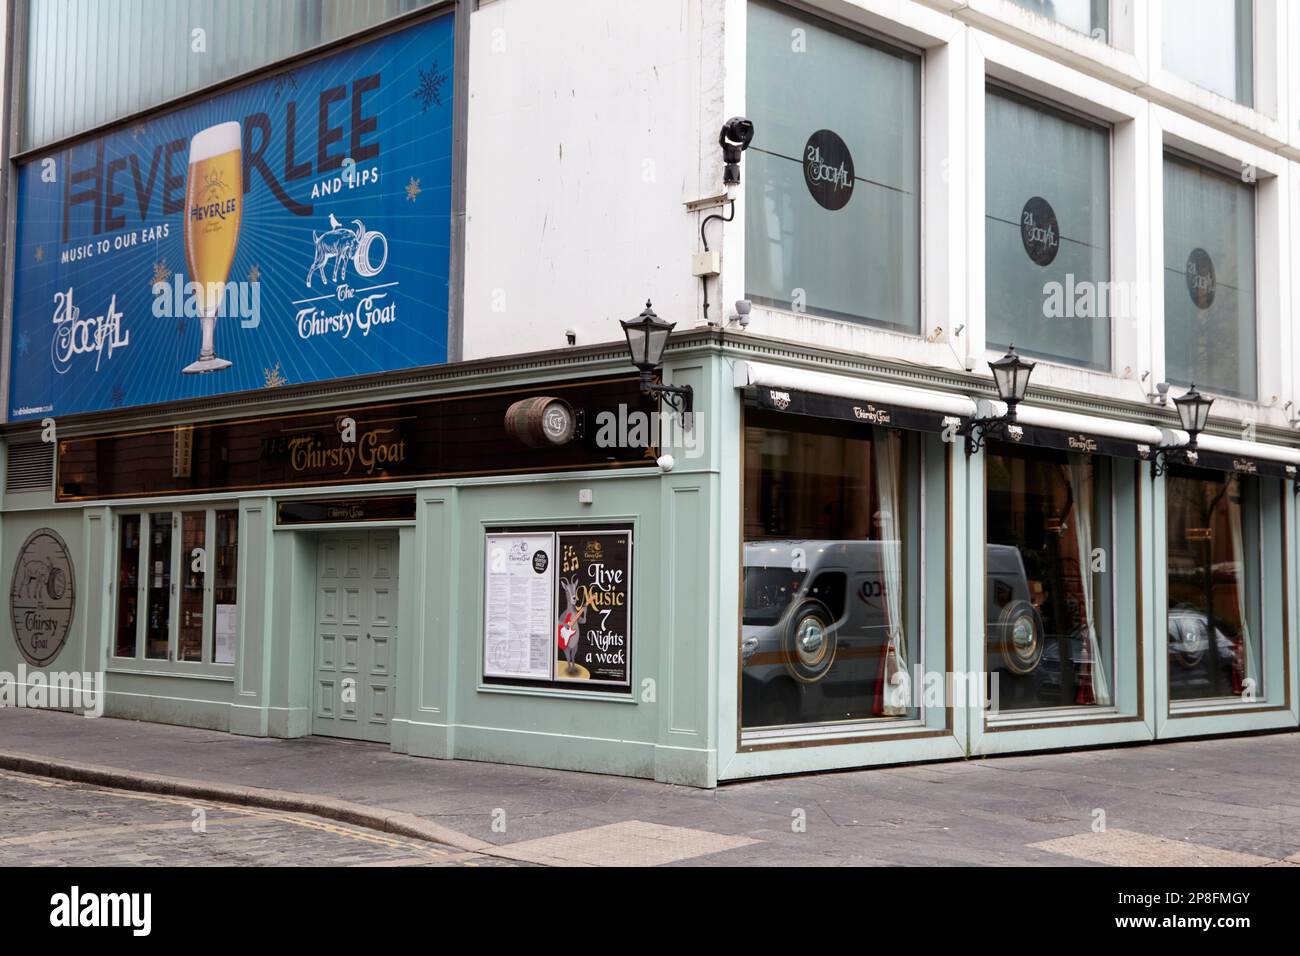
(723, 681)
(835, 520)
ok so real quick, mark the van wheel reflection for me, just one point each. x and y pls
(1021, 631)
(810, 645)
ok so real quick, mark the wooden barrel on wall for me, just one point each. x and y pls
(541, 422)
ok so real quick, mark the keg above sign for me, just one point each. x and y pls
(543, 422)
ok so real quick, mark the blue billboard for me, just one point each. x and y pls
(293, 229)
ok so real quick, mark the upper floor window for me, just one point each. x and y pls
(1047, 231)
(1086, 16)
(1210, 337)
(832, 178)
(1210, 43)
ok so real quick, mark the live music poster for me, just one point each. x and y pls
(315, 201)
(594, 607)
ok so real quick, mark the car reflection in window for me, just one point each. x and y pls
(808, 653)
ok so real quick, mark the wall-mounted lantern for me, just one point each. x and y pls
(647, 336)
(1194, 414)
(1011, 377)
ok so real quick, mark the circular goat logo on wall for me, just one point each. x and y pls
(1039, 231)
(828, 170)
(1201, 284)
(42, 597)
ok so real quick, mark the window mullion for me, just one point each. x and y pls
(174, 590)
(209, 592)
(144, 559)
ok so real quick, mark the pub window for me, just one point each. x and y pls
(177, 597)
(1047, 231)
(832, 573)
(1210, 43)
(1086, 16)
(832, 214)
(1214, 585)
(1209, 278)
(128, 585)
(1050, 600)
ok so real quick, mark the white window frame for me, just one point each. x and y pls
(995, 60)
(1029, 100)
(1270, 94)
(1274, 367)
(937, 37)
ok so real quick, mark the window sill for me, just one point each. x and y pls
(832, 733)
(1217, 706)
(1054, 715)
(216, 672)
(614, 697)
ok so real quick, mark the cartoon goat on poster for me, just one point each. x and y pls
(340, 244)
(570, 622)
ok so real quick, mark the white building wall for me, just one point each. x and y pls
(588, 121)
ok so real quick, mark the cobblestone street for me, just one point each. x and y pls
(55, 823)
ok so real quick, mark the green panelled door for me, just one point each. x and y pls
(356, 635)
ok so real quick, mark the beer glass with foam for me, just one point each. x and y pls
(214, 199)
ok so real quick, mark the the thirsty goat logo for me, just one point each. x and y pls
(364, 308)
(828, 169)
(42, 597)
(1039, 231)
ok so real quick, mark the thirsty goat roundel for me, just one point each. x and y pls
(42, 596)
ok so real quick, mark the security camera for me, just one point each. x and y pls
(665, 463)
(737, 130)
(742, 311)
(737, 133)
(1162, 393)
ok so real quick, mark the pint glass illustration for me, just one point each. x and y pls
(214, 196)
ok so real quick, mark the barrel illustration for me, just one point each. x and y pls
(541, 422)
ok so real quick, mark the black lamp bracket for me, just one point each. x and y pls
(981, 429)
(1167, 455)
(681, 398)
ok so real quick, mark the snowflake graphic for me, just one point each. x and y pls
(413, 189)
(255, 274)
(118, 396)
(429, 92)
(40, 253)
(138, 130)
(160, 273)
(274, 377)
(23, 342)
(285, 81)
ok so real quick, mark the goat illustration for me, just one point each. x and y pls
(340, 244)
(570, 620)
(41, 576)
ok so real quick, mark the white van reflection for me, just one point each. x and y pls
(815, 626)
